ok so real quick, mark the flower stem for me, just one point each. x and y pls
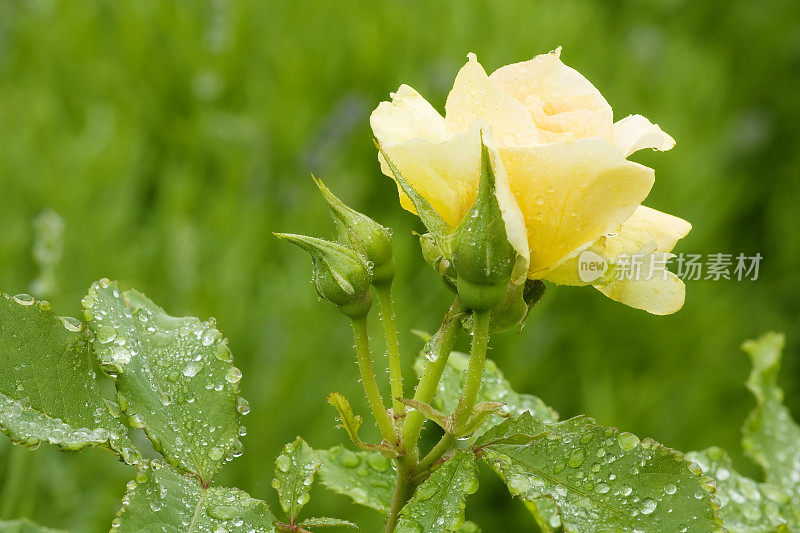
(386, 304)
(443, 343)
(444, 445)
(477, 360)
(364, 355)
(403, 490)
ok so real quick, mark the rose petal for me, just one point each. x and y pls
(563, 103)
(512, 215)
(408, 116)
(474, 97)
(646, 230)
(660, 295)
(571, 194)
(635, 132)
(646, 226)
(445, 174)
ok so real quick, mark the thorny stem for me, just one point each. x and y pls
(469, 395)
(386, 304)
(444, 445)
(364, 355)
(442, 342)
(403, 490)
(477, 360)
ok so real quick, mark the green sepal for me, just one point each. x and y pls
(341, 275)
(482, 256)
(516, 305)
(438, 228)
(437, 261)
(361, 233)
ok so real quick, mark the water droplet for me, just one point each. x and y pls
(24, 299)
(234, 375)
(648, 506)
(627, 441)
(105, 334)
(669, 488)
(71, 324)
(283, 463)
(192, 368)
(576, 458)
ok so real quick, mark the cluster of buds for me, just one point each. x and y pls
(344, 270)
(476, 259)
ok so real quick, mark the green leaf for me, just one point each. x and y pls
(604, 480)
(747, 506)
(324, 521)
(162, 499)
(48, 391)
(174, 377)
(771, 436)
(438, 504)
(366, 477)
(25, 526)
(295, 469)
(545, 512)
(494, 388)
(515, 430)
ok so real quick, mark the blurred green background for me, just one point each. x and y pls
(172, 138)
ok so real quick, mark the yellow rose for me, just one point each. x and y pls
(565, 161)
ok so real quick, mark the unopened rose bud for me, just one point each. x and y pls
(341, 275)
(360, 232)
(483, 257)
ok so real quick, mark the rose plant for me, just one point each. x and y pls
(525, 172)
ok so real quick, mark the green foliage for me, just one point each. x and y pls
(771, 438)
(366, 477)
(174, 377)
(747, 505)
(168, 169)
(602, 479)
(438, 504)
(575, 473)
(295, 470)
(48, 391)
(494, 388)
(162, 499)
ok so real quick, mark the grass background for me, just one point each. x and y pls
(173, 137)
